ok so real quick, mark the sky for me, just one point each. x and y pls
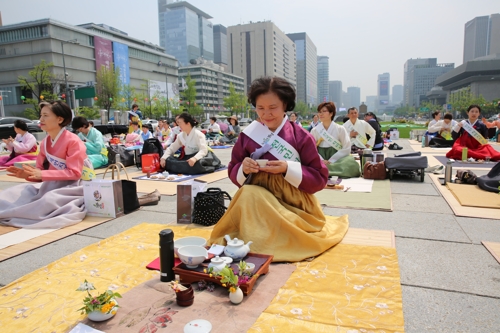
(362, 38)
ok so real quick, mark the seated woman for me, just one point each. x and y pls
(334, 144)
(56, 200)
(275, 206)
(371, 119)
(471, 133)
(146, 133)
(493, 124)
(431, 131)
(442, 129)
(22, 148)
(213, 130)
(94, 142)
(294, 118)
(194, 158)
(233, 131)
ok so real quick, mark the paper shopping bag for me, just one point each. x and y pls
(103, 197)
(185, 199)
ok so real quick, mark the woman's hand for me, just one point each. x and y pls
(163, 163)
(191, 161)
(249, 166)
(275, 167)
(354, 134)
(17, 172)
(326, 162)
(33, 173)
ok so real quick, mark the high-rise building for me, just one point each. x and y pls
(260, 49)
(185, 31)
(354, 97)
(481, 37)
(220, 44)
(422, 78)
(371, 103)
(397, 94)
(307, 73)
(323, 75)
(383, 90)
(409, 64)
(335, 92)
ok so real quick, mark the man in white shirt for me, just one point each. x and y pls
(358, 129)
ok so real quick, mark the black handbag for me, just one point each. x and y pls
(207, 164)
(126, 156)
(209, 206)
(129, 188)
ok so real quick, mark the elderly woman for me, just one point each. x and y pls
(195, 157)
(56, 199)
(334, 145)
(233, 131)
(94, 142)
(213, 130)
(22, 148)
(275, 206)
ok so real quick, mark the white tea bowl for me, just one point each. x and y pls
(192, 240)
(192, 255)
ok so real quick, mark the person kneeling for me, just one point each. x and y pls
(195, 157)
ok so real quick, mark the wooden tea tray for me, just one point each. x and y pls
(187, 275)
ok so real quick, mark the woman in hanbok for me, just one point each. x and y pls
(275, 207)
(134, 116)
(55, 200)
(22, 148)
(93, 140)
(194, 148)
(472, 133)
(233, 131)
(442, 129)
(334, 145)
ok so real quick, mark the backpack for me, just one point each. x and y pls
(151, 146)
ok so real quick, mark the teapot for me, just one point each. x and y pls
(236, 248)
(217, 263)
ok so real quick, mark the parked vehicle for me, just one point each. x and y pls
(151, 123)
(244, 121)
(7, 126)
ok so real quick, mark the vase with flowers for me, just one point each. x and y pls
(100, 307)
(233, 281)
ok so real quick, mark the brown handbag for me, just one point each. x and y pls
(374, 170)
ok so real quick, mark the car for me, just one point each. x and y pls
(244, 121)
(151, 123)
(7, 126)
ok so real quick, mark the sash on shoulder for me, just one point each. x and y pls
(328, 138)
(359, 140)
(280, 149)
(473, 132)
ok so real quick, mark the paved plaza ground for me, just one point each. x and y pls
(450, 282)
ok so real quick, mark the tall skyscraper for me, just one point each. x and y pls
(397, 94)
(481, 37)
(220, 44)
(383, 90)
(371, 103)
(422, 78)
(409, 64)
(185, 31)
(307, 73)
(260, 49)
(323, 75)
(354, 95)
(335, 92)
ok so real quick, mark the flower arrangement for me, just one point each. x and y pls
(229, 279)
(104, 302)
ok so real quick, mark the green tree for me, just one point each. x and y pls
(301, 108)
(88, 112)
(235, 101)
(107, 87)
(126, 97)
(40, 84)
(405, 111)
(189, 97)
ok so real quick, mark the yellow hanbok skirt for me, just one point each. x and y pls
(280, 220)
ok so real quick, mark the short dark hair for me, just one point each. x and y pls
(79, 122)
(435, 113)
(60, 109)
(448, 116)
(474, 106)
(134, 106)
(279, 86)
(21, 125)
(188, 119)
(134, 123)
(91, 123)
(330, 106)
(352, 108)
(213, 118)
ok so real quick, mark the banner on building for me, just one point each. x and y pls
(159, 89)
(384, 88)
(103, 52)
(120, 57)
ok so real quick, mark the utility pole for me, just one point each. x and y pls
(68, 92)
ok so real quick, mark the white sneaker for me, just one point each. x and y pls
(432, 168)
(439, 170)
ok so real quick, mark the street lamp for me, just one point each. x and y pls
(2, 112)
(73, 41)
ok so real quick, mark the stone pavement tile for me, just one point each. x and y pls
(414, 188)
(420, 203)
(449, 266)
(428, 310)
(480, 229)
(13, 268)
(416, 225)
(128, 221)
(167, 204)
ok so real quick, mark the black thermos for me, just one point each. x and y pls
(167, 255)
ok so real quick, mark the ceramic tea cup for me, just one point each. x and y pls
(192, 255)
(193, 240)
(261, 163)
